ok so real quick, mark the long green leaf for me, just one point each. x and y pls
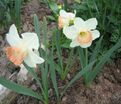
(2, 4)
(96, 50)
(37, 29)
(32, 72)
(53, 76)
(53, 6)
(17, 11)
(44, 67)
(59, 53)
(37, 26)
(102, 61)
(53, 72)
(82, 57)
(19, 89)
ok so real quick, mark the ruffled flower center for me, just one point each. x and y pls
(84, 37)
(16, 54)
(71, 22)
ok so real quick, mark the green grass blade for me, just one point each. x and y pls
(18, 12)
(102, 61)
(44, 32)
(53, 6)
(89, 8)
(58, 47)
(58, 68)
(44, 68)
(96, 7)
(19, 89)
(2, 4)
(82, 57)
(53, 72)
(37, 26)
(37, 30)
(96, 50)
(77, 76)
(53, 76)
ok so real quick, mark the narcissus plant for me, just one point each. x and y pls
(22, 49)
(82, 33)
(65, 19)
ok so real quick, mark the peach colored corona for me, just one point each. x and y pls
(84, 37)
(60, 22)
(15, 55)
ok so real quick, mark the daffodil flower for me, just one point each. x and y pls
(65, 18)
(22, 49)
(82, 33)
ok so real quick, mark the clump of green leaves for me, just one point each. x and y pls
(10, 12)
(5, 16)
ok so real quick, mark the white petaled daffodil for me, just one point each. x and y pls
(82, 33)
(22, 49)
(65, 18)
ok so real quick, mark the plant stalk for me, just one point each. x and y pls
(65, 5)
(86, 55)
(86, 63)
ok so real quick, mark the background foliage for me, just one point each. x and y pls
(108, 14)
(10, 12)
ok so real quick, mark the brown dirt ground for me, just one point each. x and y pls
(106, 89)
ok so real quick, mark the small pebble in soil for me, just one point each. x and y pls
(64, 99)
(34, 87)
(68, 76)
(50, 92)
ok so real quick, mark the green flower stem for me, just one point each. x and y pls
(86, 63)
(86, 55)
(65, 4)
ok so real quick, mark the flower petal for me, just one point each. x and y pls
(63, 13)
(23, 73)
(13, 37)
(32, 59)
(65, 18)
(70, 32)
(95, 34)
(74, 43)
(91, 23)
(85, 45)
(79, 23)
(31, 40)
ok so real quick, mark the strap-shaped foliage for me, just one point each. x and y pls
(102, 61)
(19, 88)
